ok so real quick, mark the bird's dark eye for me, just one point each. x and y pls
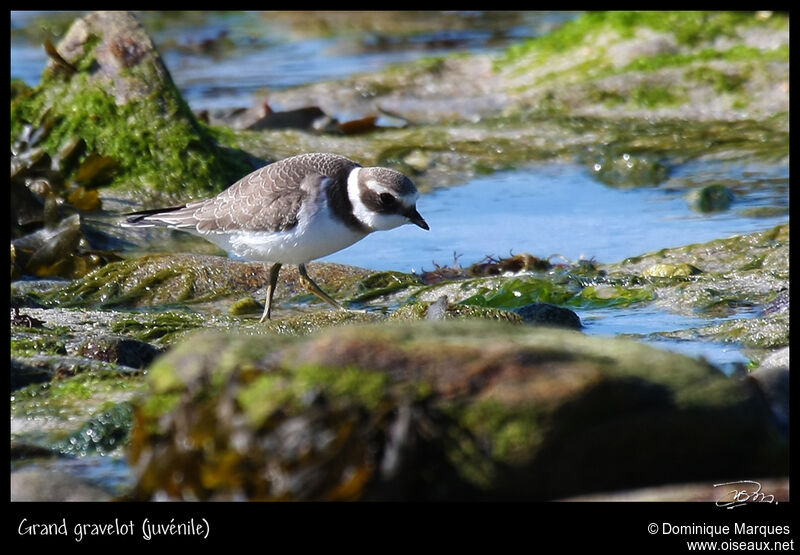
(388, 200)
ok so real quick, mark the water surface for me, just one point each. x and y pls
(562, 210)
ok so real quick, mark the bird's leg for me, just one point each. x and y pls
(273, 280)
(309, 284)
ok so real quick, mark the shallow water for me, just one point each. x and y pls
(642, 321)
(561, 210)
(254, 51)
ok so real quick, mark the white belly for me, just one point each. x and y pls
(316, 235)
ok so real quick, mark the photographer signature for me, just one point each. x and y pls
(742, 496)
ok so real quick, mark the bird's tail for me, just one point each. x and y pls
(148, 218)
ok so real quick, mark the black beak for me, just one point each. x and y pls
(416, 219)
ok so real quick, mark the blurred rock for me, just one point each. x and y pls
(23, 374)
(628, 170)
(550, 315)
(120, 350)
(772, 377)
(712, 198)
(38, 484)
(443, 410)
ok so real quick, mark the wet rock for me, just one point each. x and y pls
(549, 315)
(25, 320)
(118, 97)
(21, 450)
(358, 126)
(772, 377)
(381, 284)
(102, 434)
(311, 118)
(670, 271)
(119, 350)
(168, 279)
(712, 198)
(262, 117)
(246, 305)
(438, 410)
(443, 310)
(437, 310)
(627, 170)
(23, 374)
(778, 359)
(58, 365)
(738, 272)
(40, 484)
(779, 304)
(304, 324)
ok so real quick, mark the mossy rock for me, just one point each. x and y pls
(680, 270)
(420, 311)
(712, 198)
(168, 279)
(444, 410)
(742, 272)
(110, 88)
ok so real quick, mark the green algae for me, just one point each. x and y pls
(159, 146)
(419, 311)
(272, 392)
(670, 271)
(511, 293)
(29, 345)
(711, 198)
(752, 333)
(506, 413)
(722, 254)
(514, 432)
(164, 327)
(247, 305)
(103, 434)
(698, 71)
(606, 295)
(627, 170)
(741, 275)
(75, 415)
(517, 292)
(689, 28)
(383, 283)
(305, 324)
(651, 97)
(77, 388)
(150, 280)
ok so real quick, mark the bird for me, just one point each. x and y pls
(293, 211)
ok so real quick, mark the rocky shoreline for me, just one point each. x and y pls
(471, 383)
